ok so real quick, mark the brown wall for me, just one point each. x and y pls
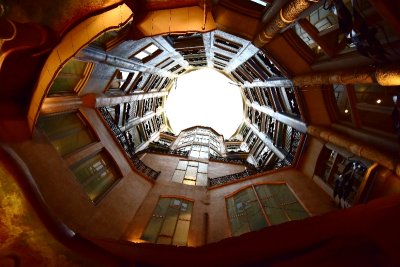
(165, 187)
(66, 198)
(314, 105)
(212, 201)
(385, 183)
(308, 160)
(309, 194)
(217, 169)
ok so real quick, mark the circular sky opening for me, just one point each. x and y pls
(205, 97)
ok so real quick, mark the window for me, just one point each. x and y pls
(96, 175)
(67, 132)
(226, 45)
(258, 206)
(191, 173)
(170, 222)
(147, 53)
(121, 82)
(343, 174)
(71, 78)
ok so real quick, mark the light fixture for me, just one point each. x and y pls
(346, 111)
(378, 101)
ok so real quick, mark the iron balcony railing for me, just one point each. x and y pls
(128, 146)
(231, 177)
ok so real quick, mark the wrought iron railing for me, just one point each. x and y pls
(227, 160)
(294, 140)
(128, 146)
(164, 150)
(231, 177)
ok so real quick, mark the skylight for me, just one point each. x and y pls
(148, 51)
(260, 2)
(206, 98)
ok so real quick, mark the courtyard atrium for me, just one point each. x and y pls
(199, 132)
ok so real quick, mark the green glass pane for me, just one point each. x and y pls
(242, 226)
(169, 222)
(245, 213)
(151, 232)
(296, 211)
(88, 168)
(273, 211)
(283, 194)
(275, 215)
(66, 132)
(186, 211)
(164, 240)
(56, 126)
(162, 206)
(68, 78)
(71, 143)
(96, 175)
(181, 233)
(255, 216)
(97, 186)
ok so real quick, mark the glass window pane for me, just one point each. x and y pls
(162, 207)
(191, 173)
(174, 226)
(186, 211)
(68, 78)
(152, 48)
(255, 217)
(66, 132)
(182, 165)
(295, 211)
(203, 155)
(87, 169)
(70, 143)
(141, 55)
(245, 213)
(96, 174)
(279, 203)
(164, 240)
(194, 154)
(203, 167)
(100, 184)
(193, 163)
(181, 233)
(151, 232)
(178, 176)
(169, 222)
(189, 182)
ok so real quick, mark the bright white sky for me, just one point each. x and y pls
(205, 97)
